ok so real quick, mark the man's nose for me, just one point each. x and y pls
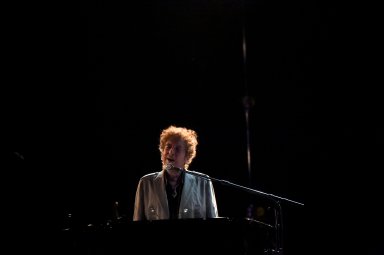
(172, 150)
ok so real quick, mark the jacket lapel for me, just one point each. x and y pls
(187, 194)
(162, 195)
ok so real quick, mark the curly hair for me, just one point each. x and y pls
(189, 136)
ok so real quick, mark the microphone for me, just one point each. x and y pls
(169, 167)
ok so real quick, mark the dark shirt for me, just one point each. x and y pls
(174, 196)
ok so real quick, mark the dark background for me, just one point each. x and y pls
(93, 84)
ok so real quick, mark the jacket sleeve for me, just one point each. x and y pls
(138, 210)
(211, 205)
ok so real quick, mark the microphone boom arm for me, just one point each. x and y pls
(249, 190)
(276, 199)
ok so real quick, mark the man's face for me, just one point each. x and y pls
(174, 153)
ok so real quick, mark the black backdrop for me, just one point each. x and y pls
(115, 74)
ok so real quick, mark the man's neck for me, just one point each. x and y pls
(173, 177)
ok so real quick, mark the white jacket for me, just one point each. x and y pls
(197, 198)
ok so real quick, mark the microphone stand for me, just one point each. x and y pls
(275, 199)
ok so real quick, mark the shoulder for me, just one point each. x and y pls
(198, 176)
(198, 173)
(149, 176)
